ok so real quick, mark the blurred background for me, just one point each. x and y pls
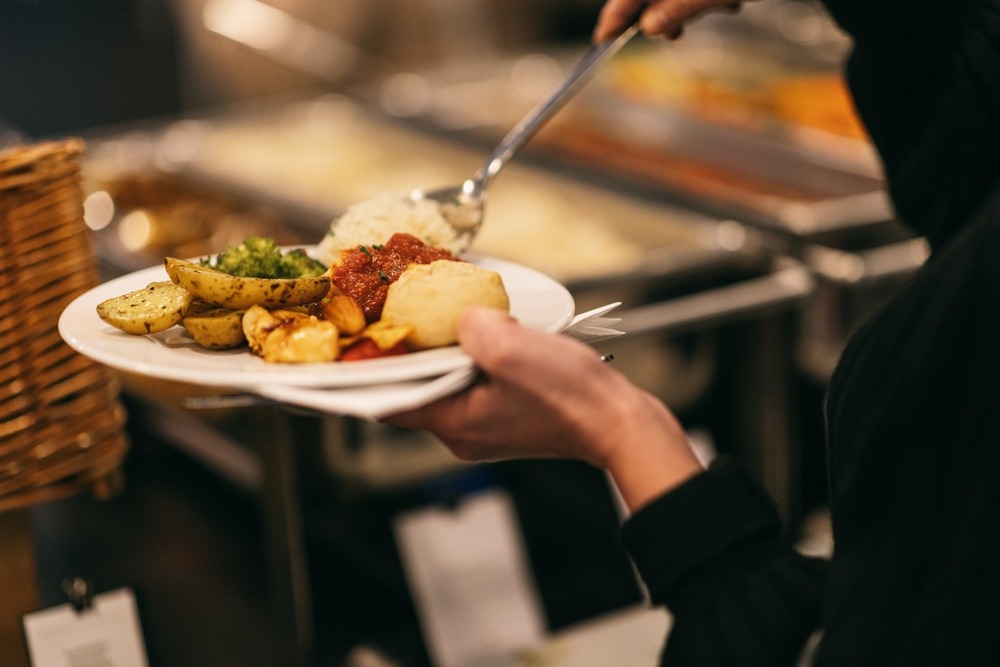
(719, 186)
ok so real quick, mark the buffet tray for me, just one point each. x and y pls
(726, 124)
(304, 162)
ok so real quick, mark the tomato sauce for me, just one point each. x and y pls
(367, 349)
(366, 272)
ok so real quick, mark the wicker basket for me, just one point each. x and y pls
(61, 419)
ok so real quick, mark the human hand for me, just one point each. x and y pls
(656, 17)
(550, 396)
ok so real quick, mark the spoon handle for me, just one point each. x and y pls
(595, 56)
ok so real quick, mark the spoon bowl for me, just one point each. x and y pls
(462, 205)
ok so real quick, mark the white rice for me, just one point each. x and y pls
(374, 222)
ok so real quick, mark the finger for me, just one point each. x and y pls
(615, 17)
(668, 17)
(465, 423)
(508, 352)
(427, 416)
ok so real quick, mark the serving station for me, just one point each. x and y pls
(718, 189)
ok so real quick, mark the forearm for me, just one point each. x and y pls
(651, 455)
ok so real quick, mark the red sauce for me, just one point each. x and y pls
(366, 272)
(367, 349)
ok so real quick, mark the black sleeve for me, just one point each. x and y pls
(712, 552)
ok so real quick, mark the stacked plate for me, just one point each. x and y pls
(61, 420)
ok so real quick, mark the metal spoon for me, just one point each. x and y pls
(462, 205)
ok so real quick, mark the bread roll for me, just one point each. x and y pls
(432, 298)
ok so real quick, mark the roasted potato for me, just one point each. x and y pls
(235, 292)
(387, 335)
(343, 311)
(198, 307)
(155, 308)
(216, 329)
(289, 336)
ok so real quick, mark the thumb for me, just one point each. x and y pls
(505, 350)
(494, 340)
(481, 328)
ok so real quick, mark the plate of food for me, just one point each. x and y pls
(171, 351)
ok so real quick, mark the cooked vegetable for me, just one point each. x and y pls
(155, 308)
(227, 291)
(343, 311)
(387, 335)
(287, 336)
(260, 257)
(216, 329)
(310, 319)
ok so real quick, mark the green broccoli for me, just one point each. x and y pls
(259, 257)
(300, 265)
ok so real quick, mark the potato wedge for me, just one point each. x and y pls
(155, 308)
(216, 329)
(343, 311)
(198, 307)
(226, 291)
(387, 335)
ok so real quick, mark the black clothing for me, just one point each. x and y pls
(711, 552)
(913, 411)
(925, 77)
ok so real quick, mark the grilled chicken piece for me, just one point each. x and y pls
(289, 336)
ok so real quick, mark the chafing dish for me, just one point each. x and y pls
(732, 119)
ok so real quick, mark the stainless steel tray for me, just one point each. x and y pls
(311, 159)
(728, 126)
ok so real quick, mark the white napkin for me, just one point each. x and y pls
(377, 401)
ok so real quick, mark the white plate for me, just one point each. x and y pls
(536, 300)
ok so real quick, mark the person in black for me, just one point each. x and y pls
(913, 409)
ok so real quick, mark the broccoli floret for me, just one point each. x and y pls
(300, 265)
(256, 257)
(259, 257)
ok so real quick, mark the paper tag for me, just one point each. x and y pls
(470, 579)
(107, 634)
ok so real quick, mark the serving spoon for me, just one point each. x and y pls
(462, 205)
